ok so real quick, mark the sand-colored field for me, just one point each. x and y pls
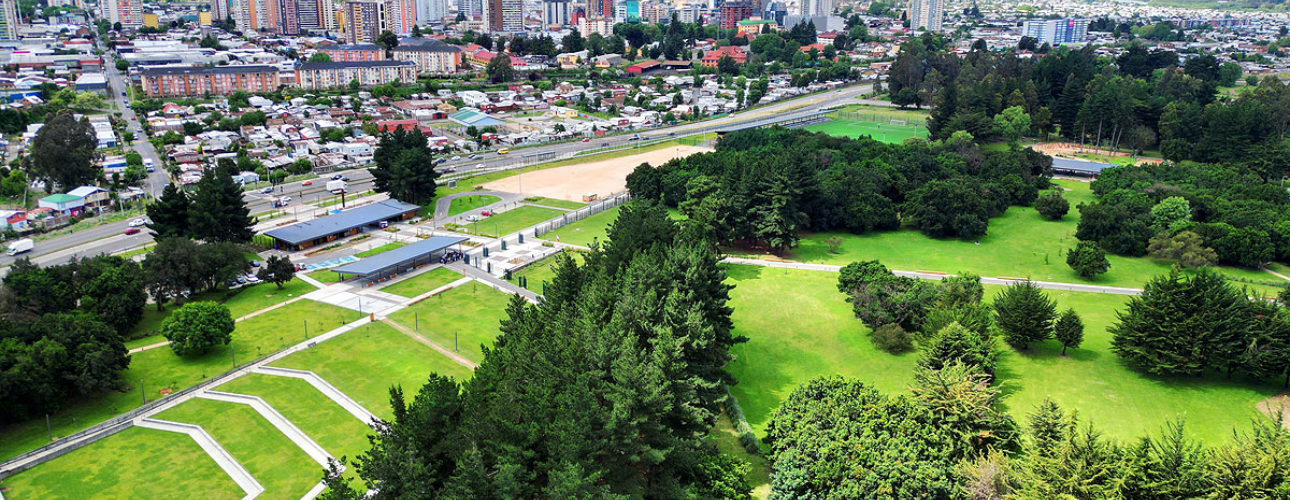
(599, 177)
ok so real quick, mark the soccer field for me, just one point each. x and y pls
(885, 132)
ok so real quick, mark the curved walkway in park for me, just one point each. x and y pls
(442, 205)
(230, 465)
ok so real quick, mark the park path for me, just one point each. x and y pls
(246, 316)
(493, 281)
(1274, 273)
(280, 422)
(1052, 285)
(459, 359)
(325, 387)
(221, 456)
(442, 205)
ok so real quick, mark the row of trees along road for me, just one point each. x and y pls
(606, 389)
(761, 187)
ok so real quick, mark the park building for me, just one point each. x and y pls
(323, 230)
(196, 81)
(329, 75)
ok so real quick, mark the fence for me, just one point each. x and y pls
(614, 201)
(879, 118)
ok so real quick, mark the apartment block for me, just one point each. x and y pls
(430, 56)
(201, 81)
(327, 75)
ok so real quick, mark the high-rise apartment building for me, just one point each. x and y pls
(364, 20)
(126, 12)
(257, 15)
(400, 16)
(811, 8)
(555, 12)
(926, 14)
(431, 11)
(1057, 31)
(8, 19)
(504, 16)
(600, 8)
(220, 10)
(472, 8)
(734, 11)
(288, 17)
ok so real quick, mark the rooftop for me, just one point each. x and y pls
(203, 70)
(400, 255)
(302, 232)
(352, 64)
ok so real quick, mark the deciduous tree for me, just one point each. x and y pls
(197, 327)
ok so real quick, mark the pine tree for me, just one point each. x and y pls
(169, 215)
(218, 211)
(1183, 325)
(1069, 330)
(1025, 314)
(956, 344)
(1048, 426)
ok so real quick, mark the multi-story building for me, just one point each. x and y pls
(1057, 31)
(690, 13)
(430, 56)
(555, 12)
(926, 14)
(364, 20)
(288, 17)
(202, 81)
(627, 11)
(817, 8)
(256, 15)
(504, 16)
(602, 25)
(431, 11)
(733, 12)
(9, 19)
(656, 12)
(351, 53)
(600, 8)
(220, 10)
(472, 8)
(326, 75)
(400, 16)
(126, 12)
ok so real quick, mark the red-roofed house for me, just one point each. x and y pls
(711, 57)
(643, 66)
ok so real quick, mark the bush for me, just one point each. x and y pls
(1087, 259)
(1052, 206)
(892, 338)
(743, 430)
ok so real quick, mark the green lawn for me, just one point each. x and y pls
(284, 469)
(380, 250)
(422, 283)
(248, 299)
(158, 368)
(800, 327)
(468, 203)
(543, 270)
(324, 421)
(135, 463)
(583, 232)
(366, 362)
(552, 202)
(1019, 244)
(884, 132)
(470, 312)
(325, 276)
(512, 220)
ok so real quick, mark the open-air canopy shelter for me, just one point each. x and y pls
(403, 259)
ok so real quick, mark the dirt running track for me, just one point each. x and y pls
(600, 177)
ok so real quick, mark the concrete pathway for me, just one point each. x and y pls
(340, 398)
(241, 318)
(230, 465)
(1274, 273)
(938, 276)
(297, 436)
(493, 281)
(461, 360)
(442, 205)
(149, 346)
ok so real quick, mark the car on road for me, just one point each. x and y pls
(486, 213)
(473, 156)
(344, 178)
(635, 137)
(455, 158)
(438, 161)
(481, 165)
(123, 94)
(140, 222)
(586, 139)
(503, 151)
(670, 134)
(336, 177)
(307, 183)
(131, 230)
(448, 170)
(266, 190)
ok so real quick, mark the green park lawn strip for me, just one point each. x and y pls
(159, 368)
(380, 250)
(552, 202)
(1020, 244)
(366, 362)
(726, 439)
(467, 316)
(513, 220)
(135, 463)
(800, 327)
(468, 203)
(543, 270)
(422, 283)
(583, 232)
(325, 276)
(240, 302)
(285, 470)
(879, 131)
(324, 421)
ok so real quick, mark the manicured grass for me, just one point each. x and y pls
(380, 250)
(468, 203)
(583, 232)
(723, 435)
(799, 327)
(135, 463)
(1019, 244)
(889, 112)
(884, 132)
(552, 202)
(422, 283)
(325, 276)
(513, 220)
(284, 469)
(324, 421)
(150, 324)
(470, 313)
(366, 362)
(248, 299)
(543, 270)
(160, 368)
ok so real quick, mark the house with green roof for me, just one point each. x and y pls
(63, 203)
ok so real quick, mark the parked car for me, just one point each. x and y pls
(252, 278)
(266, 190)
(131, 230)
(486, 213)
(255, 263)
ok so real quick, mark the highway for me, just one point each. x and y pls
(109, 238)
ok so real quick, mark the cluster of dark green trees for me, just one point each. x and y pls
(61, 331)
(1140, 99)
(605, 389)
(404, 167)
(1237, 212)
(761, 186)
(214, 212)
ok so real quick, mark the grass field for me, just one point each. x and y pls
(380, 250)
(884, 132)
(552, 202)
(1020, 244)
(543, 270)
(325, 276)
(470, 312)
(512, 220)
(152, 370)
(422, 283)
(583, 232)
(468, 203)
(800, 327)
(248, 299)
(284, 469)
(324, 421)
(135, 463)
(366, 362)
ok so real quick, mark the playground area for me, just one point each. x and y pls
(880, 126)
(601, 178)
(1091, 153)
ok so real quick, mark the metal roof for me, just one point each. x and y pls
(310, 230)
(352, 64)
(203, 70)
(399, 255)
(1084, 166)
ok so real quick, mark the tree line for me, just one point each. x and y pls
(605, 389)
(760, 187)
